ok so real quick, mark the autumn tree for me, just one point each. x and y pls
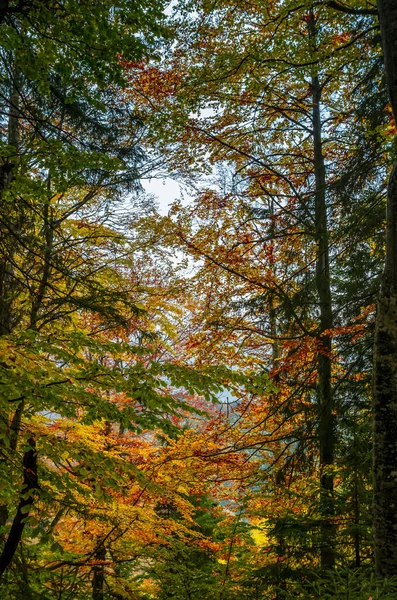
(77, 339)
(113, 465)
(287, 143)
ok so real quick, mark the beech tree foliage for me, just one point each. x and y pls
(189, 401)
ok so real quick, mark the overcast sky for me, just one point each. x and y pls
(166, 191)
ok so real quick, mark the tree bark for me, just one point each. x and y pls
(25, 502)
(325, 396)
(6, 174)
(385, 344)
(326, 434)
(48, 233)
(7, 246)
(385, 406)
(98, 577)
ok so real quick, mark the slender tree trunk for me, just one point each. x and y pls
(279, 478)
(323, 285)
(48, 234)
(6, 243)
(272, 308)
(25, 502)
(385, 345)
(6, 280)
(357, 536)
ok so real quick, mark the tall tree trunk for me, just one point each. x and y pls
(25, 503)
(6, 174)
(6, 282)
(385, 344)
(279, 477)
(326, 433)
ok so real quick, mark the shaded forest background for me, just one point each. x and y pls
(203, 404)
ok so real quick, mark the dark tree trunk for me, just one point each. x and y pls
(98, 577)
(325, 396)
(48, 233)
(385, 345)
(7, 244)
(25, 502)
(326, 434)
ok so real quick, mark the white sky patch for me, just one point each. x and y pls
(165, 190)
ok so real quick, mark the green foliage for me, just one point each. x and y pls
(343, 585)
(75, 44)
(186, 569)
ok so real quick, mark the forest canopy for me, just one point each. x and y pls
(198, 403)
